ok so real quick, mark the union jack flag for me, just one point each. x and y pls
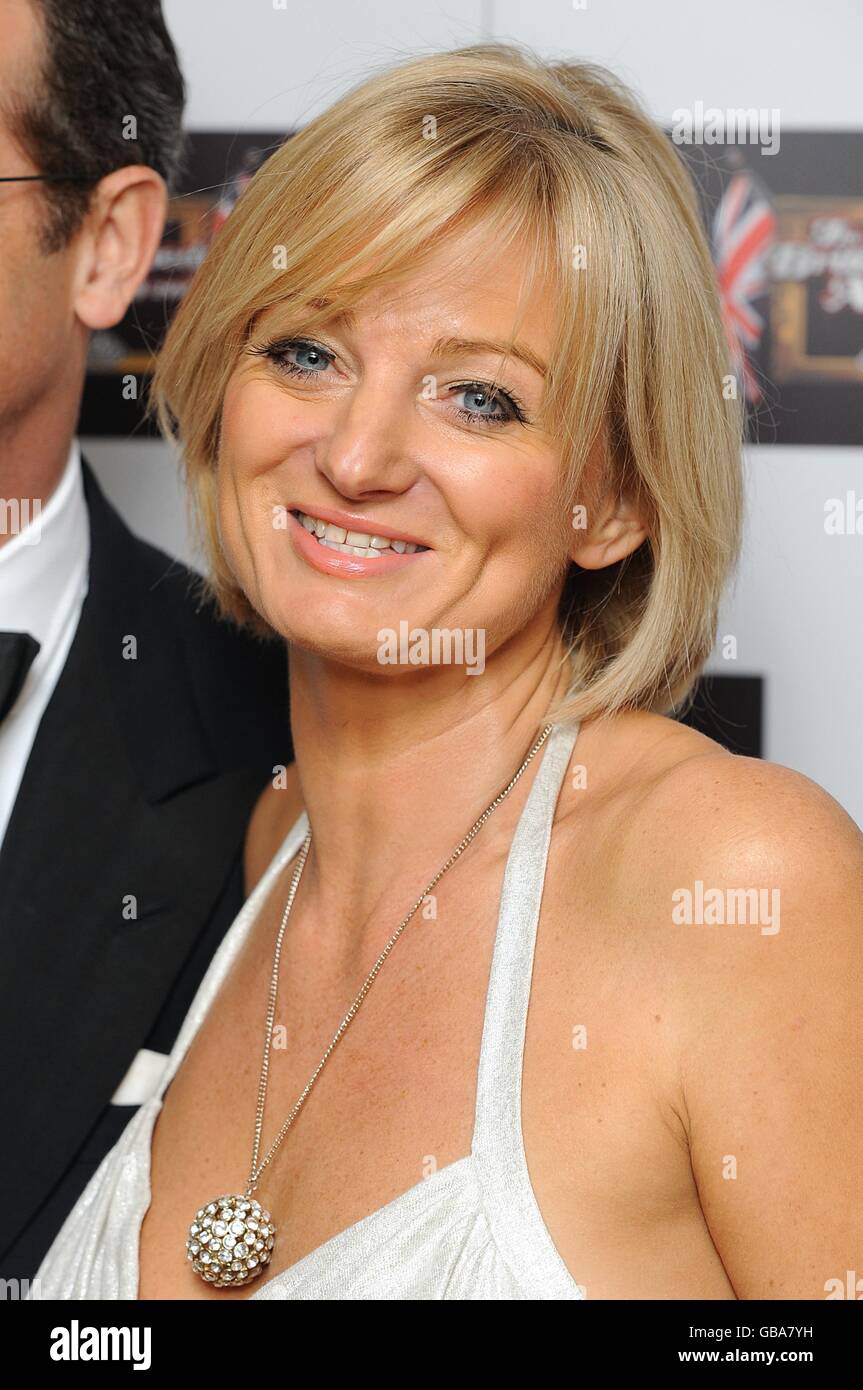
(744, 228)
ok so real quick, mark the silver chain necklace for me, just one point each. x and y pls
(231, 1239)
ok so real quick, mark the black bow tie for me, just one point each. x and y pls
(17, 650)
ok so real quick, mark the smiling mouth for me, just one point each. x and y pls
(362, 543)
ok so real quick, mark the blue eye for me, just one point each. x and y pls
(481, 401)
(484, 404)
(314, 360)
(487, 406)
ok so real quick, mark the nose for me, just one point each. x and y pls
(369, 446)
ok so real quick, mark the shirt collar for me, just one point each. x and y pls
(44, 562)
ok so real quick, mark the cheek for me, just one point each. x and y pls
(262, 434)
(542, 537)
(255, 439)
(258, 429)
(37, 326)
(241, 461)
(514, 540)
(521, 510)
(544, 544)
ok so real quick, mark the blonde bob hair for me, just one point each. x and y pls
(562, 156)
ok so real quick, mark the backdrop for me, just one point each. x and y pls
(785, 216)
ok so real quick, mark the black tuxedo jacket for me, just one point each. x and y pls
(140, 782)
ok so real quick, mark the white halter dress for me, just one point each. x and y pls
(471, 1230)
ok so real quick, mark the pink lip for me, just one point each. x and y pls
(333, 562)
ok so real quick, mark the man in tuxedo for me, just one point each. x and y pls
(136, 727)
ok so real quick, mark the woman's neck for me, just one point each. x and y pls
(393, 772)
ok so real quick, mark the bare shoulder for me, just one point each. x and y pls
(730, 815)
(726, 895)
(737, 892)
(276, 810)
(677, 800)
(680, 831)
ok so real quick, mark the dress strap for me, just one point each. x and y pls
(498, 1142)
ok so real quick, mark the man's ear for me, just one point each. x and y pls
(607, 532)
(119, 239)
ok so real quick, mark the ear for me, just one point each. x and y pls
(120, 237)
(606, 533)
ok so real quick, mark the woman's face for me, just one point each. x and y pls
(384, 426)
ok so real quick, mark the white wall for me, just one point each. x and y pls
(795, 608)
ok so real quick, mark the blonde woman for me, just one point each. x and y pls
(451, 390)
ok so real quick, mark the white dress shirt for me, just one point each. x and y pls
(43, 584)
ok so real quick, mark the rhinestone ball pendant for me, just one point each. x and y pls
(230, 1241)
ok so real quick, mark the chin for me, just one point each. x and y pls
(354, 649)
(333, 627)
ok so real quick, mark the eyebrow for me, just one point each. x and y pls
(444, 347)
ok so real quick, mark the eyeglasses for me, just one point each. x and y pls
(50, 178)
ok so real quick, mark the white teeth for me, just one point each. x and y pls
(351, 549)
(354, 542)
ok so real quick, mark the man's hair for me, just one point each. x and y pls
(101, 64)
